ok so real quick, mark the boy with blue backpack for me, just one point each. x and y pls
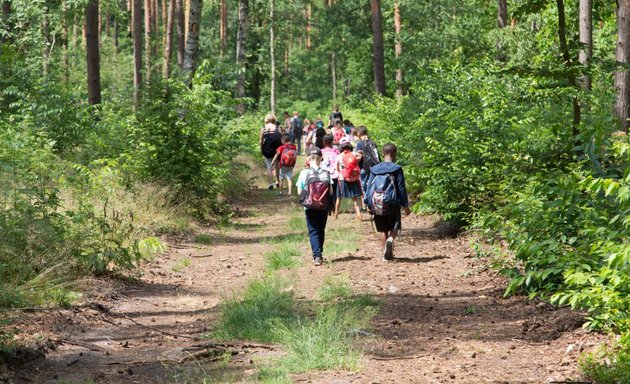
(385, 196)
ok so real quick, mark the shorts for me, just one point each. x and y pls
(286, 172)
(388, 223)
(268, 163)
(348, 189)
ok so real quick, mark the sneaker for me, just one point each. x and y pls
(270, 186)
(389, 249)
(318, 261)
(277, 185)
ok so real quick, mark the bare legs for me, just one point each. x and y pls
(357, 208)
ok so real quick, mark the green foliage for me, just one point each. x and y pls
(608, 365)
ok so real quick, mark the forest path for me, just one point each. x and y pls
(443, 318)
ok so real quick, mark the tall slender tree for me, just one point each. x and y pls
(566, 57)
(223, 10)
(241, 46)
(309, 25)
(168, 42)
(64, 40)
(5, 24)
(398, 49)
(272, 43)
(333, 75)
(502, 18)
(148, 25)
(47, 47)
(586, 41)
(181, 29)
(622, 56)
(136, 14)
(92, 52)
(378, 47)
(192, 43)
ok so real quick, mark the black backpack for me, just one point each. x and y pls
(271, 141)
(319, 137)
(370, 154)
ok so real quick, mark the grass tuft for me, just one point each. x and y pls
(335, 288)
(203, 238)
(181, 264)
(265, 304)
(285, 256)
(320, 343)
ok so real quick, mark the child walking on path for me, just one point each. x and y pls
(385, 195)
(314, 188)
(349, 185)
(286, 154)
(329, 163)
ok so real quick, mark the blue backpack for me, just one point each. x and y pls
(382, 195)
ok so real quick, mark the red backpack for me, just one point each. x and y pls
(289, 156)
(350, 170)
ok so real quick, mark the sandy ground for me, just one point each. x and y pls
(443, 320)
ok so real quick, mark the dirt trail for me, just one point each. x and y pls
(443, 319)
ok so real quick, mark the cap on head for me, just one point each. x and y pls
(344, 140)
(315, 152)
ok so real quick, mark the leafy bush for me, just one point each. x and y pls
(608, 365)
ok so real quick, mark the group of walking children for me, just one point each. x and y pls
(342, 162)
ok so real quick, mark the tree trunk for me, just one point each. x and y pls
(333, 73)
(108, 29)
(187, 18)
(147, 40)
(586, 41)
(192, 44)
(6, 14)
(272, 96)
(223, 26)
(241, 46)
(181, 28)
(165, 12)
(309, 26)
(47, 42)
(116, 34)
(136, 14)
(168, 43)
(379, 53)
(64, 40)
(622, 56)
(155, 32)
(398, 50)
(502, 19)
(92, 52)
(566, 57)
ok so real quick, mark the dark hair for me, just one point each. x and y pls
(337, 121)
(347, 122)
(362, 130)
(328, 139)
(347, 145)
(285, 138)
(286, 113)
(336, 108)
(389, 149)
